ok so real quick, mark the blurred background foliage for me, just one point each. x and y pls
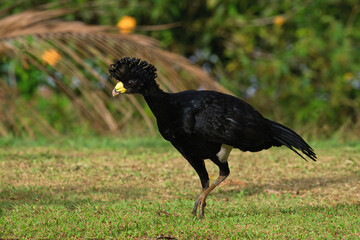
(297, 62)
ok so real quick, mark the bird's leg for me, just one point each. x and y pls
(205, 193)
(224, 172)
(199, 166)
(197, 202)
(202, 197)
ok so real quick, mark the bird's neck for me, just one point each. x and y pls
(152, 90)
(157, 99)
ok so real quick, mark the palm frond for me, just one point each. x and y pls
(76, 57)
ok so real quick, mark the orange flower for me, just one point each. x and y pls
(51, 57)
(126, 24)
(279, 20)
(348, 76)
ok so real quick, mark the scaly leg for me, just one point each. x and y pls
(224, 172)
(199, 166)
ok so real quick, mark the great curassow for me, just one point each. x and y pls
(204, 124)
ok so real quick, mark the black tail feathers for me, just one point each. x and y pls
(287, 137)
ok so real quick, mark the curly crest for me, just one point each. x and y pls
(125, 66)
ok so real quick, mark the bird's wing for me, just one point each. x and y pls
(225, 119)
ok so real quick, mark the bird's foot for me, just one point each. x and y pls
(199, 203)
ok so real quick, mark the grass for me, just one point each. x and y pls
(142, 188)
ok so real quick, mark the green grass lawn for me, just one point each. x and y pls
(143, 188)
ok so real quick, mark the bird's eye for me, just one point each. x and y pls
(130, 83)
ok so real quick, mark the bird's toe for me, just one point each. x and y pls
(196, 205)
(202, 208)
(199, 203)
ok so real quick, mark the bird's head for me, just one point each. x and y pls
(134, 75)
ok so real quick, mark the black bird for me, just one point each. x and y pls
(204, 124)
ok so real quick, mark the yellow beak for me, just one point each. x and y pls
(119, 88)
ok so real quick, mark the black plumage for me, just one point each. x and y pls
(204, 124)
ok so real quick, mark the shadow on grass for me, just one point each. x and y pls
(69, 197)
(295, 184)
(350, 211)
